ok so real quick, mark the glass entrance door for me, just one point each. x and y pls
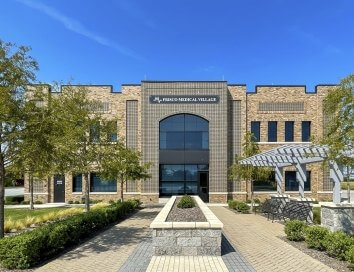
(204, 186)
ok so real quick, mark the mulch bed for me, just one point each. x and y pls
(185, 215)
(321, 256)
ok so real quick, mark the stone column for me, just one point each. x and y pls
(279, 175)
(336, 176)
(301, 178)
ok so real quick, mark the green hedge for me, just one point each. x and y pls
(337, 244)
(13, 200)
(28, 249)
(239, 206)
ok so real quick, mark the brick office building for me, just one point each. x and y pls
(192, 130)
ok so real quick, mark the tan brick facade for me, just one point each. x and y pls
(268, 103)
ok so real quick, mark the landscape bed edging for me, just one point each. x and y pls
(186, 238)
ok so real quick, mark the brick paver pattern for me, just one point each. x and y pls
(108, 250)
(258, 241)
(186, 264)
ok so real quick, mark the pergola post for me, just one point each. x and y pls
(301, 178)
(279, 178)
(336, 176)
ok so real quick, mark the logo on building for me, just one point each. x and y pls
(184, 99)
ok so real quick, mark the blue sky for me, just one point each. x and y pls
(125, 41)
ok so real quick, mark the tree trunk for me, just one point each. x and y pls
(121, 190)
(31, 190)
(252, 199)
(2, 194)
(87, 192)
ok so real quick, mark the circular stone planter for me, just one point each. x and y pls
(186, 238)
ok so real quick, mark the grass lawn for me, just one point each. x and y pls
(344, 185)
(18, 214)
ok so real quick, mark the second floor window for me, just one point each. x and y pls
(289, 131)
(255, 130)
(305, 131)
(112, 135)
(95, 133)
(272, 131)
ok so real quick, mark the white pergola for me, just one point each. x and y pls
(299, 155)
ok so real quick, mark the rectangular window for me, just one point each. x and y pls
(77, 183)
(99, 185)
(256, 130)
(95, 133)
(272, 131)
(289, 131)
(180, 179)
(112, 135)
(268, 184)
(306, 131)
(291, 184)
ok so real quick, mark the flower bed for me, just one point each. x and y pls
(186, 238)
(29, 248)
(336, 244)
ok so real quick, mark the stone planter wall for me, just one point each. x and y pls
(338, 217)
(186, 238)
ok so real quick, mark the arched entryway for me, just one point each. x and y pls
(184, 155)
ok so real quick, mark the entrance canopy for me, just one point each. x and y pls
(299, 155)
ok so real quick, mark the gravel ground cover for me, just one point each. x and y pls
(185, 215)
(340, 266)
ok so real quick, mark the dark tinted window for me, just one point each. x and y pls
(289, 131)
(306, 131)
(95, 133)
(98, 185)
(77, 183)
(184, 131)
(267, 184)
(112, 131)
(256, 130)
(180, 179)
(291, 184)
(272, 131)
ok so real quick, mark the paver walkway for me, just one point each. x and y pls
(108, 250)
(186, 264)
(257, 240)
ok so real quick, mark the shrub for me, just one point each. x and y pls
(317, 215)
(38, 202)
(315, 237)
(232, 204)
(29, 248)
(295, 230)
(76, 202)
(24, 202)
(70, 202)
(350, 256)
(337, 244)
(14, 199)
(241, 207)
(186, 202)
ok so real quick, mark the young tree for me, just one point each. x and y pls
(122, 164)
(339, 136)
(36, 156)
(78, 124)
(245, 171)
(339, 107)
(17, 70)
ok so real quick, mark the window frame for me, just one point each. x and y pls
(291, 139)
(275, 138)
(256, 125)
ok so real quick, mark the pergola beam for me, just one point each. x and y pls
(299, 155)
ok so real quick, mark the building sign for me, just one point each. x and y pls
(184, 99)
